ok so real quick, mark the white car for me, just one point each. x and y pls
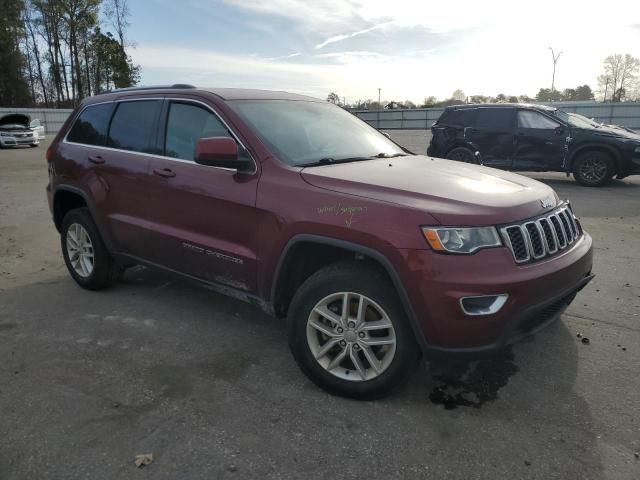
(15, 130)
(37, 127)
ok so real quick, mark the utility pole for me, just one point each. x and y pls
(555, 60)
(379, 107)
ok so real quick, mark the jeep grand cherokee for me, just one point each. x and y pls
(373, 254)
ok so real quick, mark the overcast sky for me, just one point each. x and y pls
(409, 48)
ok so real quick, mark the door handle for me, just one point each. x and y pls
(97, 159)
(164, 172)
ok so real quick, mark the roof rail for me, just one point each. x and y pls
(149, 87)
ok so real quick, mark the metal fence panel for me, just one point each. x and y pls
(626, 114)
(52, 119)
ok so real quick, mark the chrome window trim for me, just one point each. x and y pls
(164, 157)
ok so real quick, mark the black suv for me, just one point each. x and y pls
(535, 138)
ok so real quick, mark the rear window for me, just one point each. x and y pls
(494, 118)
(91, 126)
(133, 125)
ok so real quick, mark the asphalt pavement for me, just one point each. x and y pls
(89, 380)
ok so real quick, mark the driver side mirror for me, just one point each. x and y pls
(220, 152)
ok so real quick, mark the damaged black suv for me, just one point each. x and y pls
(535, 138)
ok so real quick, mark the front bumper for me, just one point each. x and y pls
(15, 141)
(538, 294)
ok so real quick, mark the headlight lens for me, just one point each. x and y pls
(461, 240)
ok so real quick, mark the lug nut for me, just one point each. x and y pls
(361, 334)
(343, 343)
(352, 324)
(340, 330)
(356, 347)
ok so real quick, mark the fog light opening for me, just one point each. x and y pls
(483, 304)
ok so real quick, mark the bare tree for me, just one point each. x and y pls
(117, 11)
(620, 75)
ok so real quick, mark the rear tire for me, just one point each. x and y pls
(593, 169)
(87, 259)
(380, 339)
(462, 154)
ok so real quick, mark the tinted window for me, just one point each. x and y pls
(460, 117)
(187, 124)
(301, 132)
(530, 119)
(91, 126)
(132, 127)
(494, 118)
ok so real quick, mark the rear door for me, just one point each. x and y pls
(122, 170)
(493, 135)
(203, 218)
(539, 143)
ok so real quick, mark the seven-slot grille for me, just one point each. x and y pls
(543, 236)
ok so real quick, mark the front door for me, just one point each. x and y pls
(540, 142)
(203, 218)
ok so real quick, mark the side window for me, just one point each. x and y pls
(530, 119)
(494, 118)
(132, 126)
(186, 124)
(90, 128)
(468, 117)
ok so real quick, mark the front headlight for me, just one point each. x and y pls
(461, 240)
(4, 134)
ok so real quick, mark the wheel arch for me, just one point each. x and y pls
(588, 147)
(68, 197)
(285, 283)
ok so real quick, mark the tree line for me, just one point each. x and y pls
(54, 53)
(620, 81)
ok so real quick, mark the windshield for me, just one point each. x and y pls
(575, 119)
(303, 133)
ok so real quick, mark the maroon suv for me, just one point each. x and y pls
(374, 255)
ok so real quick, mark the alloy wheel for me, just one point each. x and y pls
(351, 336)
(593, 170)
(80, 250)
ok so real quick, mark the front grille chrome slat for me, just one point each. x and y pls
(541, 237)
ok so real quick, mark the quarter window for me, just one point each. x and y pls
(132, 127)
(91, 126)
(186, 124)
(530, 119)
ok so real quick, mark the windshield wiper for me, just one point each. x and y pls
(331, 160)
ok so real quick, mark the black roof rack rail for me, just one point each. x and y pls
(150, 87)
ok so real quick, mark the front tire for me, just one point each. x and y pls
(593, 169)
(87, 259)
(349, 333)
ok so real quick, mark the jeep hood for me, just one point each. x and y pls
(453, 193)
